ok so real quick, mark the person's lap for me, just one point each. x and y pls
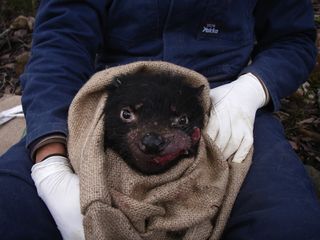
(276, 200)
(23, 215)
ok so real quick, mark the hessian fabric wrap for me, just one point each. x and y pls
(192, 200)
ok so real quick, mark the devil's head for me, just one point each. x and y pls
(153, 120)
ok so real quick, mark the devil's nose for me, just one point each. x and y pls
(152, 143)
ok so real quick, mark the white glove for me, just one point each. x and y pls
(58, 187)
(232, 116)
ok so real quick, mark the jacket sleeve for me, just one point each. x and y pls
(285, 50)
(67, 35)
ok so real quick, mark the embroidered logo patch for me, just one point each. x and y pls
(210, 28)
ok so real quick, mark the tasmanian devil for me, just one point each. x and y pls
(153, 120)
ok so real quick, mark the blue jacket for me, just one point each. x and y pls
(219, 38)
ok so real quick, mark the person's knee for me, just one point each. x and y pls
(23, 215)
(289, 219)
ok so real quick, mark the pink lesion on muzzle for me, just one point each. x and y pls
(196, 134)
(179, 147)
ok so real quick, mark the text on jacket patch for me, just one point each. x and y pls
(210, 28)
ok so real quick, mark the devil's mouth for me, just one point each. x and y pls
(164, 159)
(171, 152)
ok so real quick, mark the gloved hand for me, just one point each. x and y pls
(58, 187)
(232, 116)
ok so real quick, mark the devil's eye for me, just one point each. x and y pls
(183, 120)
(180, 121)
(127, 115)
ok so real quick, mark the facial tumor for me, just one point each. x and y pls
(153, 120)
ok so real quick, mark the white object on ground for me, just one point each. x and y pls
(11, 113)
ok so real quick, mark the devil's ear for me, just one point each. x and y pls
(115, 84)
(199, 90)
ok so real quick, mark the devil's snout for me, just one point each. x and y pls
(152, 143)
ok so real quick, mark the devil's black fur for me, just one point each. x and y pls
(147, 114)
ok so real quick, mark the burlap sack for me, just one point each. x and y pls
(10, 132)
(190, 201)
